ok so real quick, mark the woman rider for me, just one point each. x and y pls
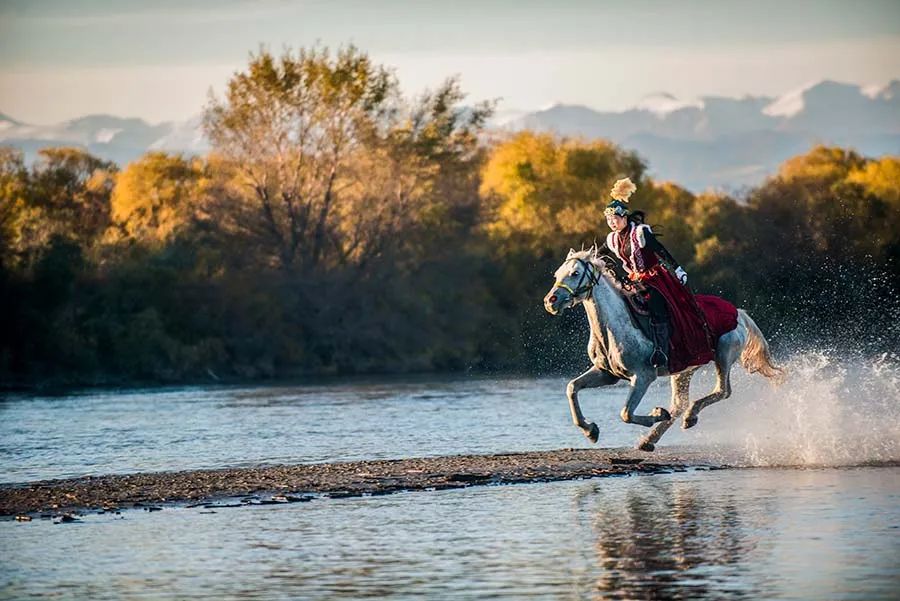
(674, 316)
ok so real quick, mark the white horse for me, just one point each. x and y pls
(619, 350)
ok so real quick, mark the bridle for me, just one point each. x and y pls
(587, 271)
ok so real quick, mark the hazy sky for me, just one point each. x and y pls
(156, 59)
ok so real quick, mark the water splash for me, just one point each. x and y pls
(830, 411)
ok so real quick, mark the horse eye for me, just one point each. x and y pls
(574, 274)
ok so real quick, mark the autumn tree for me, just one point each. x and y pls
(324, 155)
(73, 188)
(879, 183)
(549, 192)
(156, 195)
(63, 196)
(13, 202)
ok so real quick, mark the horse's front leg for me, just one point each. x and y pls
(639, 385)
(592, 378)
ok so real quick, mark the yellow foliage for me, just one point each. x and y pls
(880, 178)
(156, 194)
(550, 189)
(823, 164)
(706, 250)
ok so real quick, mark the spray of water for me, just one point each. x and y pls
(830, 411)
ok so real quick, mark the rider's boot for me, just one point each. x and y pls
(660, 356)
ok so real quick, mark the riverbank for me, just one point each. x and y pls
(297, 483)
(67, 387)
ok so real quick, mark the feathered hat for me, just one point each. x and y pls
(621, 192)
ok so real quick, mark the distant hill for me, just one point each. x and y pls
(112, 138)
(729, 143)
(711, 142)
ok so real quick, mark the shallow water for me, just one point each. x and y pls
(224, 427)
(827, 413)
(743, 534)
(758, 534)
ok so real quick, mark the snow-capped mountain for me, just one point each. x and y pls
(706, 142)
(112, 138)
(663, 103)
(734, 142)
(185, 136)
(7, 123)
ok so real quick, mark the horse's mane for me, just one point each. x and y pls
(589, 255)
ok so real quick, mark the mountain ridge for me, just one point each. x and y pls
(708, 142)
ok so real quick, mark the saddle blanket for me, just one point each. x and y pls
(721, 316)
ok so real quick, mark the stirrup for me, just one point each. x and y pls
(661, 337)
(658, 358)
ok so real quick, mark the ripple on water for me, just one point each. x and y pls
(754, 534)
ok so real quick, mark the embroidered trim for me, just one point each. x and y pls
(637, 257)
(642, 234)
(634, 262)
(612, 241)
(613, 244)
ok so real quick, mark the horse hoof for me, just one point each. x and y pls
(689, 422)
(593, 434)
(661, 414)
(647, 446)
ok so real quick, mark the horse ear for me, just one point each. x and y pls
(571, 253)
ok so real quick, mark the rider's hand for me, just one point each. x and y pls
(681, 274)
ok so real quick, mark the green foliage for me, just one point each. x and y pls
(65, 194)
(13, 202)
(72, 188)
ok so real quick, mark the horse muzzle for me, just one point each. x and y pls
(555, 304)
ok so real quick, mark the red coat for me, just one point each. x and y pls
(692, 340)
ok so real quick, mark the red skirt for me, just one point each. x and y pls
(690, 342)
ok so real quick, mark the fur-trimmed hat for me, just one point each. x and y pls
(621, 192)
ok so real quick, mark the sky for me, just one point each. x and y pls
(158, 60)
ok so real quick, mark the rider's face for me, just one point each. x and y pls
(616, 222)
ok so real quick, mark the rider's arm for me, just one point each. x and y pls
(612, 261)
(606, 252)
(655, 246)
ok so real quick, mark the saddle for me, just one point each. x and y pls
(636, 298)
(635, 294)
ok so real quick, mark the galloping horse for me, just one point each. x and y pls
(619, 350)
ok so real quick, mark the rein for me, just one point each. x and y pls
(581, 287)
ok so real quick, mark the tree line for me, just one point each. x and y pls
(338, 227)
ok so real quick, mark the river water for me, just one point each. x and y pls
(763, 533)
(816, 530)
(827, 413)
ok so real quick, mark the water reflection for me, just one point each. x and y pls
(672, 540)
(758, 534)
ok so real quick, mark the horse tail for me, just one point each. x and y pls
(756, 356)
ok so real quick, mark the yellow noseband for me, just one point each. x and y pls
(566, 288)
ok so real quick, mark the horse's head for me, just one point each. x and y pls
(575, 279)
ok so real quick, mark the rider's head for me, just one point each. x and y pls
(616, 222)
(617, 211)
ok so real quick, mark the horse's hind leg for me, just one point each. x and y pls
(639, 385)
(729, 348)
(592, 378)
(681, 385)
